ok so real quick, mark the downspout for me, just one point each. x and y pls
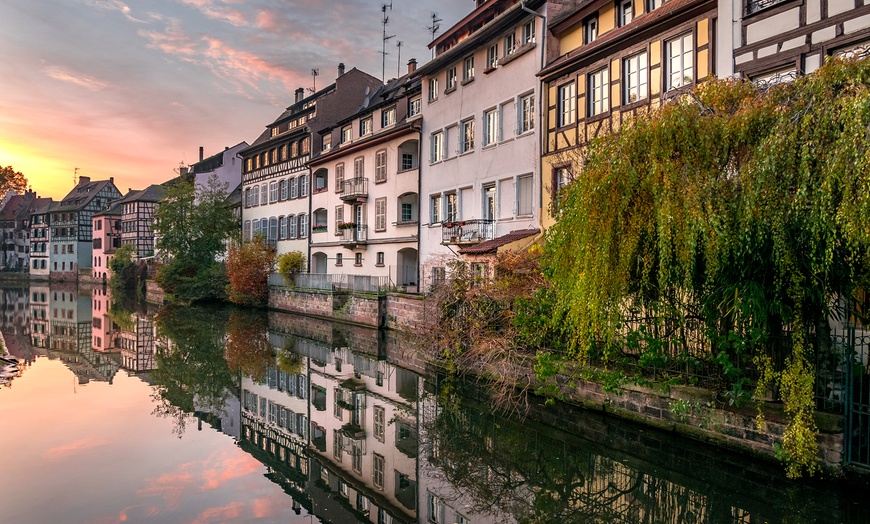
(419, 131)
(540, 116)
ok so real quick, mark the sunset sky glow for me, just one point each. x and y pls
(132, 88)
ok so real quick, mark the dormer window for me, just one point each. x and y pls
(365, 126)
(590, 30)
(275, 131)
(528, 32)
(510, 44)
(624, 12)
(346, 134)
(388, 116)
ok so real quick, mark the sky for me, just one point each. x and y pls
(131, 89)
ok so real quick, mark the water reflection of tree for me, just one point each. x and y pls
(509, 469)
(248, 349)
(192, 373)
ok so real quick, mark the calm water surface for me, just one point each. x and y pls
(123, 413)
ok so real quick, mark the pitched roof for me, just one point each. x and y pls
(491, 246)
(82, 194)
(152, 193)
(13, 206)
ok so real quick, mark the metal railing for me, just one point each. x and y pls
(357, 234)
(355, 188)
(467, 231)
(334, 282)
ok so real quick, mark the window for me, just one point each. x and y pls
(356, 451)
(365, 126)
(378, 470)
(635, 73)
(567, 102)
(450, 82)
(624, 12)
(273, 228)
(599, 88)
(283, 189)
(490, 127)
(433, 89)
(590, 30)
(435, 509)
(468, 69)
(303, 225)
(273, 192)
(345, 134)
(339, 258)
(492, 57)
(339, 177)
(255, 195)
(379, 258)
(282, 222)
(524, 195)
(510, 43)
(284, 152)
(527, 114)
(249, 164)
(264, 195)
(337, 439)
(246, 231)
(357, 259)
(381, 214)
(679, 65)
(452, 208)
(294, 188)
(294, 149)
(381, 166)
(388, 116)
(528, 32)
(321, 180)
(407, 212)
(561, 178)
(435, 208)
(305, 145)
(303, 185)
(291, 226)
(436, 144)
(652, 5)
(339, 218)
(466, 139)
(414, 106)
(359, 167)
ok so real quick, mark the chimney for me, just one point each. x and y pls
(84, 180)
(200, 153)
(112, 179)
(412, 65)
(299, 94)
(340, 68)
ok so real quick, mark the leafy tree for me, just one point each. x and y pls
(11, 179)
(724, 221)
(123, 269)
(289, 264)
(248, 349)
(192, 227)
(248, 267)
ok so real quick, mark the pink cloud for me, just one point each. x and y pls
(233, 510)
(59, 73)
(72, 448)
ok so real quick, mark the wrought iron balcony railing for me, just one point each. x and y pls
(355, 189)
(471, 231)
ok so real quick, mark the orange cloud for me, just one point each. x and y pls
(72, 448)
(233, 510)
(87, 82)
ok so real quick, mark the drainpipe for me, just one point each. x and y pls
(418, 127)
(540, 116)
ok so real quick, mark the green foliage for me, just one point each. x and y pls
(10, 179)
(289, 264)
(192, 226)
(248, 267)
(732, 214)
(123, 269)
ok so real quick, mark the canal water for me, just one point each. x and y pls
(123, 412)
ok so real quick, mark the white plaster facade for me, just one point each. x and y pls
(480, 175)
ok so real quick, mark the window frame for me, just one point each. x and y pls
(635, 81)
(436, 146)
(526, 113)
(468, 68)
(490, 127)
(598, 105)
(669, 58)
(566, 106)
(466, 136)
(380, 166)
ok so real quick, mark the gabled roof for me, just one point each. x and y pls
(82, 194)
(213, 162)
(491, 246)
(152, 193)
(14, 206)
(113, 209)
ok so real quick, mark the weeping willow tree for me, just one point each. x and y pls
(735, 214)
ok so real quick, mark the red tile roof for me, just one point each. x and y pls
(491, 246)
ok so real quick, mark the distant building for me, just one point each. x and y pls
(40, 238)
(71, 227)
(15, 230)
(276, 179)
(366, 222)
(137, 219)
(106, 227)
(225, 166)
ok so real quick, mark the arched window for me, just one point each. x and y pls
(255, 196)
(294, 188)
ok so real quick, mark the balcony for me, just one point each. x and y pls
(467, 232)
(355, 190)
(355, 235)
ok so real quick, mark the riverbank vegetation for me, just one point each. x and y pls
(248, 267)
(713, 239)
(192, 226)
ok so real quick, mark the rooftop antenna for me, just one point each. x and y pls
(399, 61)
(385, 21)
(314, 73)
(75, 175)
(436, 25)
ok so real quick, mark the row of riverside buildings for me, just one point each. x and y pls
(465, 155)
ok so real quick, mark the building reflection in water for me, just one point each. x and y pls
(352, 435)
